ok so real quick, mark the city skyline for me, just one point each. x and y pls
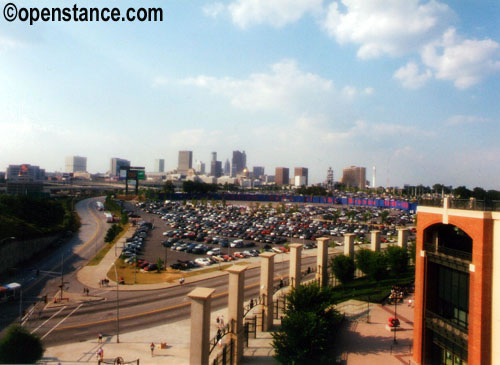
(293, 83)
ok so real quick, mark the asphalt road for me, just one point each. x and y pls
(138, 309)
(70, 257)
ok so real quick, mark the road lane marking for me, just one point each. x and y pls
(61, 321)
(55, 314)
(159, 310)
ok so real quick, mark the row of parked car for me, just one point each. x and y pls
(133, 249)
(215, 256)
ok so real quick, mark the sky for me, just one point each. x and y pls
(411, 87)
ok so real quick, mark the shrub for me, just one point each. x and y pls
(19, 346)
(364, 258)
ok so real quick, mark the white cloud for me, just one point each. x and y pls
(392, 27)
(214, 9)
(411, 77)
(466, 119)
(274, 12)
(285, 86)
(160, 81)
(463, 61)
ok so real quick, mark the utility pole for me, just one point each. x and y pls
(117, 307)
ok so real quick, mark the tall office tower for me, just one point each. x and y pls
(301, 172)
(76, 164)
(227, 168)
(215, 166)
(282, 176)
(199, 166)
(185, 161)
(238, 163)
(457, 286)
(258, 172)
(354, 176)
(329, 179)
(374, 177)
(159, 165)
(25, 172)
(116, 165)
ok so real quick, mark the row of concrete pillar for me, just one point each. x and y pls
(375, 241)
(201, 297)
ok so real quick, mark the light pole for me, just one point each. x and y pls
(395, 316)
(117, 307)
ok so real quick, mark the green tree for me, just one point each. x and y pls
(124, 219)
(159, 263)
(168, 187)
(308, 329)
(378, 266)
(462, 192)
(383, 216)
(343, 268)
(19, 346)
(364, 258)
(397, 259)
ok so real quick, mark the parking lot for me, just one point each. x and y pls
(182, 232)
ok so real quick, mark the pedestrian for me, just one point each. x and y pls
(181, 281)
(152, 347)
(251, 303)
(99, 338)
(222, 320)
(100, 354)
(217, 320)
(219, 335)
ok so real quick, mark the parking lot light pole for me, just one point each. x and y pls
(117, 306)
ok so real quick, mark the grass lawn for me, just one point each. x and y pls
(368, 289)
(143, 277)
(103, 251)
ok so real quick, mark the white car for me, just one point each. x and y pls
(214, 251)
(202, 261)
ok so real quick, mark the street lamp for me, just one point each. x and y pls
(117, 307)
(395, 316)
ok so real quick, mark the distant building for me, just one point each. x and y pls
(159, 165)
(116, 165)
(238, 163)
(354, 177)
(227, 167)
(299, 181)
(185, 161)
(302, 172)
(282, 176)
(329, 179)
(258, 172)
(76, 164)
(199, 166)
(215, 166)
(24, 171)
(24, 179)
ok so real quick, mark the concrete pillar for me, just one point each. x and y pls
(349, 244)
(235, 305)
(200, 325)
(322, 261)
(295, 263)
(266, 288)
(375, 242)
(402, 237)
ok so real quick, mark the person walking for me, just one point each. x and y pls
(181, 281)
(152, 347)
(99, 338)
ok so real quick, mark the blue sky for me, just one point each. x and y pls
(411, 87)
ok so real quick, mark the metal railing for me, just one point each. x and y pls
(468, 204)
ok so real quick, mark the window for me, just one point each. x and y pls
(453, 296)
